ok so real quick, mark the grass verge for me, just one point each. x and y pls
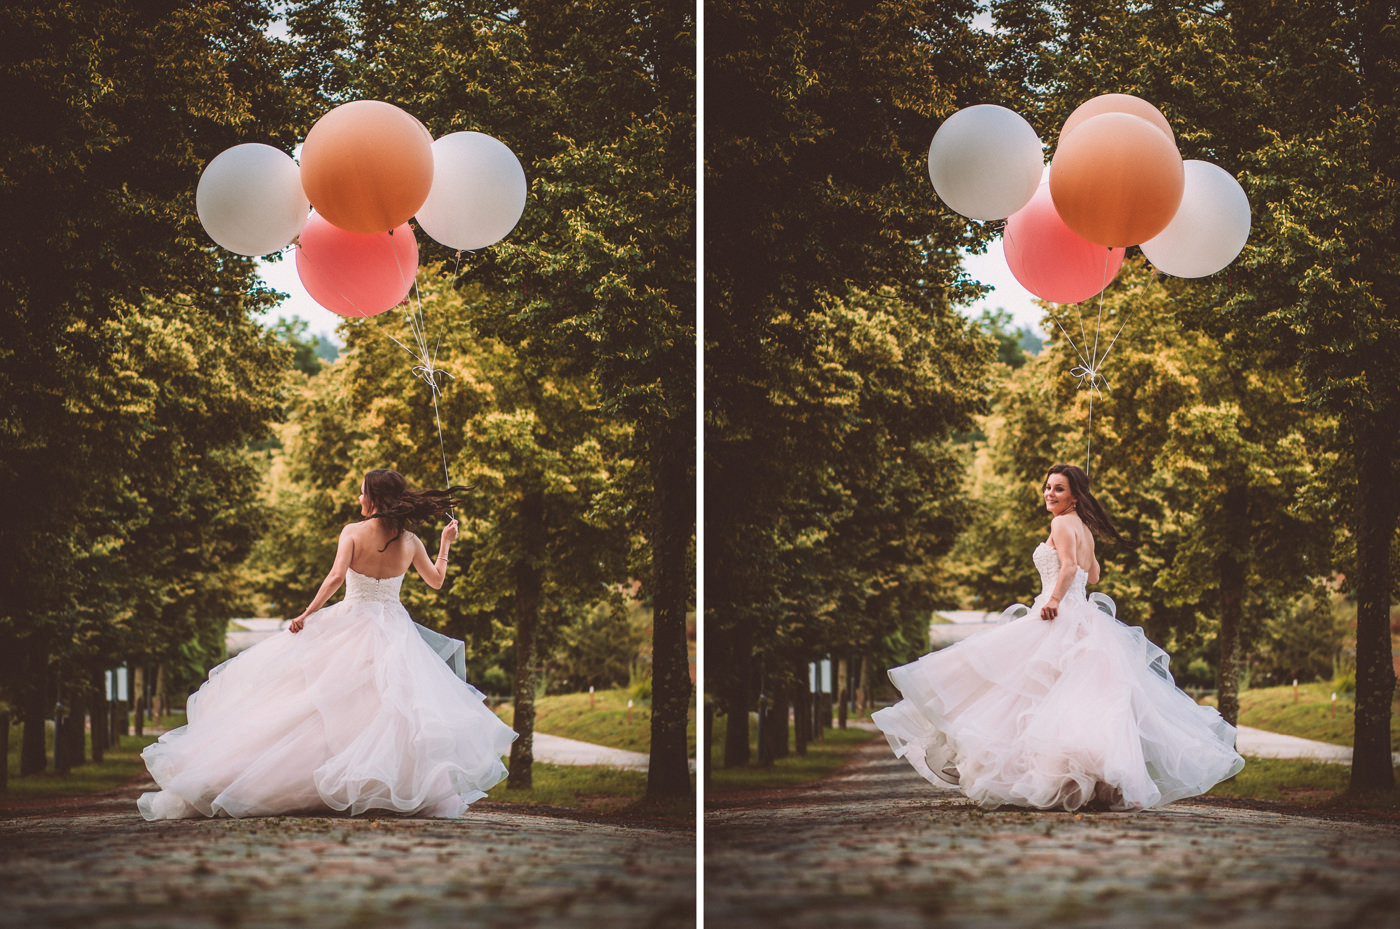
(605, 791)
(600, 718)
(822, 759)
(1309, 785)
(120, 765)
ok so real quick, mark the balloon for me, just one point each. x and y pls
(1116, 179)
(1051, 261)
(355, 274)
(250, 199)
(367, 166)
(1209, 229)
(985, 162)
(478, 191)
(1117, 103)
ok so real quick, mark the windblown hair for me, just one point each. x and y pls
(1090, 511)
(402, 508)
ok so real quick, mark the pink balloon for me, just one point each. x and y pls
(1050, 260)
(354, 274)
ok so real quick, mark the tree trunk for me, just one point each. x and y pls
(673, 522)
(707, 753)
(736, 698)
(842, 694)
(779, 709)
(529, 582)
(97, 716)
(160, 705)
(33, 757)
(863, 689)
(1231, 575)
(138, 698)
(1378, 507)
(802, 710)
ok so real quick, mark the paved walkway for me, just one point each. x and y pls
(100, 866)
(877, 846)
(554, 749)
(1256, 743)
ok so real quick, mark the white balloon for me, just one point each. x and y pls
(1209, 229)
(985, 162)
(250, 199)
(478, 192)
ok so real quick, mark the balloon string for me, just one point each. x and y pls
(426, 369)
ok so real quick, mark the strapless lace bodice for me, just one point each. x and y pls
(1047, 562)
(363, 588)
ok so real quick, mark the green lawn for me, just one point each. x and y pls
(822, 759)
(1309, 716)
(119, 765)
(601, 719)
(594, 790)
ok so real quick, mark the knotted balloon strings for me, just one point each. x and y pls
(1089, 370)
(426, 368)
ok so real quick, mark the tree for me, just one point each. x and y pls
(113, 111)
(816, 194)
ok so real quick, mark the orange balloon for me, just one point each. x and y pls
(1117, 103)
(1117, 180)
(367, 166)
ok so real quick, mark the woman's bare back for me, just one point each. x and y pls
(366, 558)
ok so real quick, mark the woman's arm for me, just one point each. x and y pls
(434, 572)
(344, 552)
(1062, 540)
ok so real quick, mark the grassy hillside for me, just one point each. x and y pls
(1309, 716)
(601, 720)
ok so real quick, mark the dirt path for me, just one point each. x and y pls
(877, 846)
(97, 864)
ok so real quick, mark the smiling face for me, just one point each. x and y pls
(1058, 497)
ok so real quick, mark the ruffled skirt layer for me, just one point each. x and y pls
(354, 713)
(1058, 714)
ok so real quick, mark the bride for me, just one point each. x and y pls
(1062, 707)
(348, 709)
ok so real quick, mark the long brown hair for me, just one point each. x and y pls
(402, 508)
(1090, 511)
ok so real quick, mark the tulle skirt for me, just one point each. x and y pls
(354, 713)
(1063, 714)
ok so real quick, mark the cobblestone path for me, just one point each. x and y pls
(878, 847)
(102, 866)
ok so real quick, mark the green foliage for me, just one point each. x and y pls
(599, 648)
(1303, 641)
(504, 434)
(1011, 343)
(836, 368)
(133, 378)
(309, 355)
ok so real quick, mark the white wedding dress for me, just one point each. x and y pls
(1058, 714)
(354, 713)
